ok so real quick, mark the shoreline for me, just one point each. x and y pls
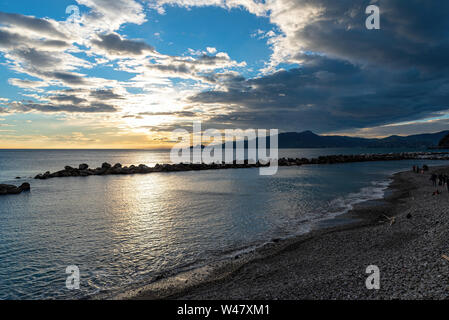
(330, 262)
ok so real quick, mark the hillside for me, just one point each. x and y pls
(444, 142)
(308, 139)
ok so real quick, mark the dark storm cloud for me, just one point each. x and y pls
(114, 44)
(413, 33)
(351, 77)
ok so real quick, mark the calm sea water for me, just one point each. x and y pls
(122, 231)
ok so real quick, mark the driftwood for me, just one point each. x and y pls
(391, 219)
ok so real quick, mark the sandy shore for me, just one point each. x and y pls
(331, 263)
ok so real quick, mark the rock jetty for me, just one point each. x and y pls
(83, 170)
(107, 169)
(10, 189)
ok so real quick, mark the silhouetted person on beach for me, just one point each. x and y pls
(440, 179)
(433, 178)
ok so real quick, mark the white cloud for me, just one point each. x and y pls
(109, 15)
(61, 53)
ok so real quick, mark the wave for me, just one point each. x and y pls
(342, 205)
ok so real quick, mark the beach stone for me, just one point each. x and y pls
(14, 190)
(83, 166)
(6, 188)
(85, 173)
(25, 186)
(106, 165)
(11, 189)
(125, 170)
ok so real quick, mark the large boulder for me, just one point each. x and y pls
(25, 186)
(106, 165)
(10, 189)
(83, 166)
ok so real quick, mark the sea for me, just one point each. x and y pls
(122, 232)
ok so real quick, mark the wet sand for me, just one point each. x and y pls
(331, 263)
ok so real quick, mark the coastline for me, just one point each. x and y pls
(330, 262)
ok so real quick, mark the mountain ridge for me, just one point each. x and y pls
(308, 139)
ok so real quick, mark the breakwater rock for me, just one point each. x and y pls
(107, 169)
(10, 189)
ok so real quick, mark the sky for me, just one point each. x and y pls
(127, 73)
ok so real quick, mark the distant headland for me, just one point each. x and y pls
(308, 139)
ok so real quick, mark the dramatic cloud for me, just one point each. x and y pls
(328, 94)
(67, 98)
(56, 108)
(26, 84)
(110, 15)
(105, 95)
(349, 77)
(41, 26)
(325, 72)
(114, 44)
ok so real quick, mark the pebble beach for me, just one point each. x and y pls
(406, 236)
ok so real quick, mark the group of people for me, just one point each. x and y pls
(439, 180)
(417, 169)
